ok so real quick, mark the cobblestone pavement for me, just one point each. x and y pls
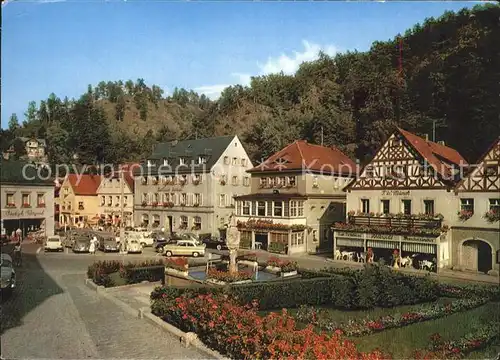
(52, 314)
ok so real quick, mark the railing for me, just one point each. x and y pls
(394, 222)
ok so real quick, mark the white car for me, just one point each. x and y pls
(54, 243)
(134, 247)
(8, 275)
(142, 238)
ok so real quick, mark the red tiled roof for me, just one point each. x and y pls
(438, 156)
(84, 184)
(300, 155)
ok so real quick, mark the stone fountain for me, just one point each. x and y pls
(233, 243)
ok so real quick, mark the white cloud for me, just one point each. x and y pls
(288, 64)
(211, 91)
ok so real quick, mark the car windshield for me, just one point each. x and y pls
(53, 239)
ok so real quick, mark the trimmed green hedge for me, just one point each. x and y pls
(114, 273)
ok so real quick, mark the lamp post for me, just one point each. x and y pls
(122, 222)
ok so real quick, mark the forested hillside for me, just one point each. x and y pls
(450, 77)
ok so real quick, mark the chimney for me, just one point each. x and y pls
(426, 137)
(441, 142)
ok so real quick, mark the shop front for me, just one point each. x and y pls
(28, 220)
(289, 241)
(413, 251)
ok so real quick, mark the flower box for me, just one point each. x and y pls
(176, 272)
(26, 205)
(273, 269)
(249, 263)
(14, 205)
(41, 205)
(492, 216)
(290, 273)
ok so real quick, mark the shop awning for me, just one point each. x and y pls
(419, 248)
(382, 244)
(350, 242)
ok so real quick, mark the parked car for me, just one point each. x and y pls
(81, 245)
(159, 244)
(185, 247)
(54, 243)
(215, 243)
(142, 238)
(8, 275)
(134, 247)
(107, 241)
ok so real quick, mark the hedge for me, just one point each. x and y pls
(469, 291)
(375, 288)
(106, 273)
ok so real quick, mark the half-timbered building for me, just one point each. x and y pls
(402, 200)
(476, 229)
(296, 194)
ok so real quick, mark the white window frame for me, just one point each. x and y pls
(222, 200)
(294, 204)
(226, 160)
(246, 205)
(274, 208)
(259, 208)
(182, 161)
(234, 180)
(466, 202)
(243, 162)
(235, 161)
(246, 181)
(425, 201)
(494, 203)
(403, 201)
(367, 202)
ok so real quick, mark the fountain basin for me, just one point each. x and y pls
(248, 262)
(176, 272)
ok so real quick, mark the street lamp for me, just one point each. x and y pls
(122, 218)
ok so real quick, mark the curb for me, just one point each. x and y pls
(187, 339)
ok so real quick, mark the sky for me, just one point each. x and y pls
(62, 46)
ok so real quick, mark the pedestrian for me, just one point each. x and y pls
(19, 234)
(93, 245)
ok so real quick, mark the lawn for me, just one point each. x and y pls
(402, 342)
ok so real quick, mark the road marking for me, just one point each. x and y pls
(38, 250)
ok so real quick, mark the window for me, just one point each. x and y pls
(246, 181)
(243, 162)
(165, 162)
(183, 179)
(467, 205)
(223, 179)
(365, 206)
(197, 199)
(40, 200)
(495, 205)
(369, 171)
(235, 161)
(184, 221)
(279, 238)
(26, 200)
(385, 206)
(144, 197)
(66, 191)
(297, 238)
(125, 200)
(103, 200)
(291, 181)
(156, 197)
(235, 180)
(196, 223)
(110, 200)
(300, 209)
(202, 160)
(246, 207)
(406, 206)
(296, 208)
(10, 200)
(262, 182)
(156, 220)
(261, 208)
(182, 161)
(491, 170)
(226, 160)
(315, 182)
(183, 199)
(222, 200)
(80, 205)
(429, 207)
(278, 208)
(150, 163)
(145, 219)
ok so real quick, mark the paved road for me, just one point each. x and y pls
(54, 315)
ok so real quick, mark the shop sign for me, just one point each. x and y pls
(396, 193)
(24, 213)
(419, 238)
(350, 235)
(380, 236)
(173, 188)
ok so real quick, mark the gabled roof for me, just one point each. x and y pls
(302, 156)
(210, 148)
(442, 158)
(84, 184)
(16, 172)
(472, 171)
(26, 139)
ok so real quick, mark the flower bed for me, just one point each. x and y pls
(321, 319)
(457, 349)
(396, 230)
(469, 291)
(114, 273)
(177, 266)
(286, 267)
(227, 277)
(246, 335)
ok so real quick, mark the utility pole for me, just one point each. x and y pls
(122, 219)
(322, 135)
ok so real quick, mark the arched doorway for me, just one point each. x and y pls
(477, 255)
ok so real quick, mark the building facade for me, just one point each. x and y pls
(295, 196)
(403, 200)
(110, 197)
(188, 186)
(78, 201)
(476, 230)
(27, 199)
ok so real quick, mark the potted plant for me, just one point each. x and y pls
(464, 215)
(177, 266)
(288, 268)
(26, 205)
(492, 216)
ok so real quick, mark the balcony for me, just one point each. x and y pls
(283, 220)
(408, 221)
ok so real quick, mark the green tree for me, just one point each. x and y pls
(13, 123)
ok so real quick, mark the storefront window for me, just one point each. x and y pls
(297, 238)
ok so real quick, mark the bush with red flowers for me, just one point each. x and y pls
(240, 333)
(228, 277)
(284, 265)
(180, 264)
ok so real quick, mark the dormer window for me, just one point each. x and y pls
(369, 171)
(182, 161)
(165, 162)
(150, 163)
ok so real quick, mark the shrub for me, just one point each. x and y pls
(469, 291)
(240, 333)
(151, 273)
(284, 265)
(276, 247)
(100, 272)
(180, 264)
